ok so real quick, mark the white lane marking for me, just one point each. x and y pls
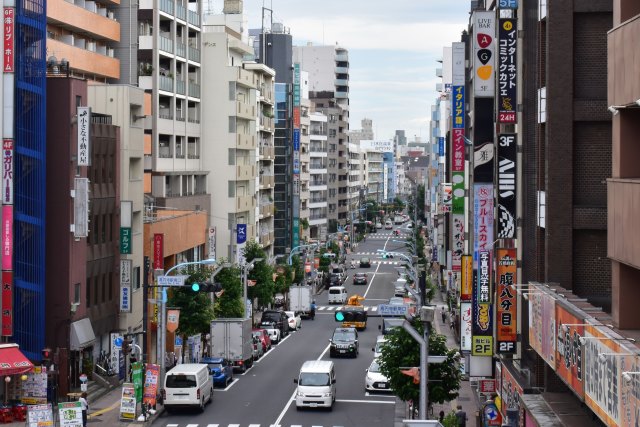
(254, 425)
(389, 402)
(192, 425)
(213, 425)
(293, 395)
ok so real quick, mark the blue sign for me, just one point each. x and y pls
(118, 342)
(241, 233)
(441, 146)
(508, 4)
(296, 140)
(458, 107)
(178, 340)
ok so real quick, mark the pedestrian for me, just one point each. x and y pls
(461, 416)
(85, 407)
(444, 315)
(441, 417)
(313, 310)
(453, 324)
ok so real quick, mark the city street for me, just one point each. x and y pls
(264, 395)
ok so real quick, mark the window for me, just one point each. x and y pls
(110, 285)
(104, 288)
(76, 293)
(232, 124)
(136, 278)
(232, 156)
(94, 284)
(88, 296)
(232, 188)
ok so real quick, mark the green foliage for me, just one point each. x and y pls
(196, 309)
(450, 420)
(398, 204)
(402, 351)
(262, 273)
(304, 222)
(229, 304)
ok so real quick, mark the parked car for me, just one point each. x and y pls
(220, 369)
(365, 262)
(344, 342)
(281, 320)
(258, 351)
(294, 319)
(378, 225)
(360, 279)
(377, 350)
(273, 331)
(374, 380)
(263, 336)
(396, 301)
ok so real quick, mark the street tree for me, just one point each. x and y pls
(401, 352)
(261, 274)
(196, 309)
(228, 303)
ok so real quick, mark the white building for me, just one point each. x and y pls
(238, 130)
(318, 175)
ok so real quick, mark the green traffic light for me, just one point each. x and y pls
(339, 316)
(195, 287)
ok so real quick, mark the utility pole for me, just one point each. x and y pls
(145, 307)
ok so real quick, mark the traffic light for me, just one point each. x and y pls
(205, 287)
(46, 357)
(352, 315)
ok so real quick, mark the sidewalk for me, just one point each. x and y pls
(467, 396)
(106, 411)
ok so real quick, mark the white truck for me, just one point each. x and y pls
(233, 340)
(300, 298)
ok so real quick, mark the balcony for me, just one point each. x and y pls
(245, 141)
(181, 50)
(194, 18)
(266, 210)
(244, 203)
(194, 90)
(267, 152)
(194, 54)
(166, 44)
(166, 83)
(166, 6)
(246, 78)
(82, 20)
(267, 238)
(623, 234)
(341, 94)
(342, 57)
(341, 82)
(267, 181)
(266, 95)
(245, 172)
(341, 70)
(180, 87)
(266, 123)
(622, 61)
(181, 12)
(85, 60)
(245, 110)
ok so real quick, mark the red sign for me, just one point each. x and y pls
(458, 151)
(7, 237)
(152, 373)
(488, 386)
(158, 251)
(510, 392)
(7, 303)
(296, 117)
(506, 333)
(7, 171)
(9, 15)
(569, 350)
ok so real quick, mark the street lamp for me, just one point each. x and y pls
(246, 267)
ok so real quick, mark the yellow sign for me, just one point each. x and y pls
(482, 346)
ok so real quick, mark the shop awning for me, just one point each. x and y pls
(82, 335)
(12, 361)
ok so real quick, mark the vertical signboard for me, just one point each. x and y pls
(484, 56)
(506, 304)
(510, 391)
(241, 233)
(158, 251)
(7, 237)
(542, 314)
(84, 136)
(9, 44)
(212, 243)
(295, 231)
(569, 350)
(630, 393)
(507, 172)
(7, 303)
(466, 314)
(125, 285)
(483, 217)
(458, 241)
(482, 339)
(7, 171)
(507, 75)
(466, 283)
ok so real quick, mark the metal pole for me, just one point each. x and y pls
(424, 355)
(244, 289)
(163, 334)
(145, 308)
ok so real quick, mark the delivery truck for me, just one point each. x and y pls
(300, 298)
(233, 340)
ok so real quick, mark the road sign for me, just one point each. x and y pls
(392, 309)
(171, 280)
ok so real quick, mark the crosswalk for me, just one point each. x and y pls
(247, 425)
(371, 308)
(385, 235)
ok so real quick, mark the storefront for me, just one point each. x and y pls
(14, 367)
(81, 345)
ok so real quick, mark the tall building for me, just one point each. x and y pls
(337, 156)
(305, 175)
(238, 120)
(365, 133)
(318, 176)
(274, 49)
(623, 186)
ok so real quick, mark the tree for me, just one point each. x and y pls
(229, 304)
(196, 310)
(401, 351)
(262, 273)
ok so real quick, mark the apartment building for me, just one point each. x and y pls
(305, 175)
(238, 121)
(374, 178)
(318, 175)
(364, 133)
(356, 177)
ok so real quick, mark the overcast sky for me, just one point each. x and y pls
(393, 48)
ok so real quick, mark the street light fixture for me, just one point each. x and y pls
(603, 356)
(626, 375)
(583, 340)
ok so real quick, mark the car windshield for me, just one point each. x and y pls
(344, 336)
(257, 335)
(180, 381)
(215, 365)
(290, 313)
(271, 317)
(375, 367)
(379, 346)
(313, 379)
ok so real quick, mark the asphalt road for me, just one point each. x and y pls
(263, 396)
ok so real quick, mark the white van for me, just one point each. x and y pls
(316, 384)
(187, 384)
(337, 295)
